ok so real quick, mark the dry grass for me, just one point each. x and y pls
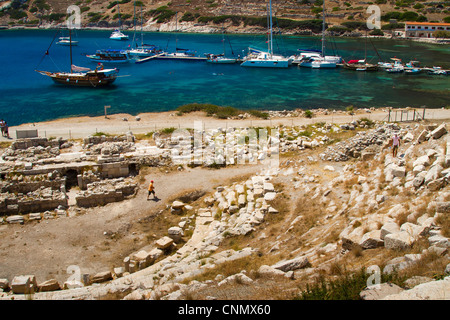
(443, 220)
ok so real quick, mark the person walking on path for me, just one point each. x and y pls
(395, 145)
(151, 190)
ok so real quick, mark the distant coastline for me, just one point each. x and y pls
(208, 29)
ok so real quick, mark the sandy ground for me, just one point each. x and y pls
(80, 127)
(98, 239)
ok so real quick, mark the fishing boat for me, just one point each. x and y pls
(110, 56)
(397, 66)
(80, 76)
(320, 60)
(259, 58)
(117, 34)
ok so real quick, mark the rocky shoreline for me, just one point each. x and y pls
(189, 27)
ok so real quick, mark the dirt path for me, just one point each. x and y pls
(81, 127)
(100, 238)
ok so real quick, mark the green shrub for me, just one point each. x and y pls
(353, 25)
(16, 14)
(442, 34)
(391, 26)
(168, 130)
(259, 114)
(41, 5)
(188, 16)
(346, 287)
(403, 16)
(54, 16)
(376, 32)
(162, 14)
(308, 114)
(338, 29)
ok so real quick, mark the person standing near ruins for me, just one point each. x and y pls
(2, 125)
(395, 145)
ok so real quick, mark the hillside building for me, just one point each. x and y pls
(424, 29)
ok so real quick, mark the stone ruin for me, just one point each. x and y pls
(36, 174)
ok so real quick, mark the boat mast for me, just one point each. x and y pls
(118, 12)
(270, 32)
(70, 45)
(142, 30)
(365, 49)
(176, 29)
(134, 22)
(323, 28)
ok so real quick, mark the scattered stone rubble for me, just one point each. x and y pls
(422, 169)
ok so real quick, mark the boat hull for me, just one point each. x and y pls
(221, 61)
(360, 67)
(82, 80)
(183, 58)
(318, 65)
(67, 43)
(266, 63)
(103, 60)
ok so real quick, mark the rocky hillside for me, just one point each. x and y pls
(339, 218)
(293, 16)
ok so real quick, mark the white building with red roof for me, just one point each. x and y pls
(424, 29)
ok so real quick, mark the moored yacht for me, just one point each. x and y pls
(318, 60)
(258, 58)
(109, 55)
(118, 35)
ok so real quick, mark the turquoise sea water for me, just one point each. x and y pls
(158, 85)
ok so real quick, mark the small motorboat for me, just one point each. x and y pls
(65, 41)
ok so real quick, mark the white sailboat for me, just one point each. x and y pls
(262, 59)
(220, 58)
(144, 50)
(319, 60)
(117, 34)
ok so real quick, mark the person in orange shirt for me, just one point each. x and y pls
(151, 190)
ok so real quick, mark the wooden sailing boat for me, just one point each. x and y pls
(82, 77)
